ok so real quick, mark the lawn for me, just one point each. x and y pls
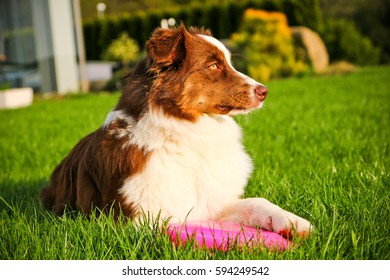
(320, 147)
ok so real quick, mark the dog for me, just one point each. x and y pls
(170, 147)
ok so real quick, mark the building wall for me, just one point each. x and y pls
(64, 45)
(38, 39)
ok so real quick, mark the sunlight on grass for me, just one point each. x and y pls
(320, 148)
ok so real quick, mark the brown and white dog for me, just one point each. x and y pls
(170, 147)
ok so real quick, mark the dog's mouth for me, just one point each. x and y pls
(239, 107)
(225, 109)
(233, 110)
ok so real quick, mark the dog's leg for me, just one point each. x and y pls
(260, 212)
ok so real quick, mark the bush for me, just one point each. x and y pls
(345, 42)
(221, 18)
(372, 18)
(304, 13)
(266, 43)
(123, 49)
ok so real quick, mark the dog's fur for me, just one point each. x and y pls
(170, 146)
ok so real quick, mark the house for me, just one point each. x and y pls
(38, 44)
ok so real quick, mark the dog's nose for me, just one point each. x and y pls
(261, 92)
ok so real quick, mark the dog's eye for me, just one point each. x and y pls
(213, 66)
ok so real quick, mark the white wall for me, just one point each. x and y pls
(64, 45)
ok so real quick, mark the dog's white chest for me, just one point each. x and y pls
(194, 171)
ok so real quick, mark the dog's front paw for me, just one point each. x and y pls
(288, 224)
(260, 212)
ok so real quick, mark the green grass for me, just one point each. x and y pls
(320, 147)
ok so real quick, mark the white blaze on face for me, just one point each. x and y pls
(228, 55)
(220, 47)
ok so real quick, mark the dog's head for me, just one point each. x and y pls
(194, 76)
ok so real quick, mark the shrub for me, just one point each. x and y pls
(372, 18)
(222, 18)
(304, 13)
(265, 41)
(123, 49)
(345, 42)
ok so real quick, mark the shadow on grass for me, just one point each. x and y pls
(21, 197)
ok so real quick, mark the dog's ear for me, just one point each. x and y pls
(166, 46)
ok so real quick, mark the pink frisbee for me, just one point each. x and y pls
(225, 235)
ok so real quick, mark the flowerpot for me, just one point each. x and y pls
(16, 98)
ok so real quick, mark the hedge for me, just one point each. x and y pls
(342, 39)
(222, 19)
(345, 42)
(266, 44)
